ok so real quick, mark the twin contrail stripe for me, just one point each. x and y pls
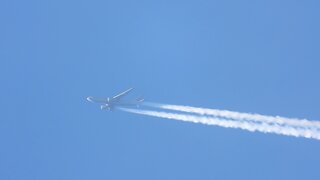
(240, 116)
(245, 125)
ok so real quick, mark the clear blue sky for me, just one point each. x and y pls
(248, 56)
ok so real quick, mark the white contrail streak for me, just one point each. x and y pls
(245, 125)
(240, 116)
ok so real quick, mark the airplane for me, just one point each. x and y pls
(116, 101)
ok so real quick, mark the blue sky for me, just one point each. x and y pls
(247, 56)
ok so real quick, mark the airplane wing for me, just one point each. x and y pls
(119, 96)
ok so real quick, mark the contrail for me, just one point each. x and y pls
(245, 125)
(239, 116)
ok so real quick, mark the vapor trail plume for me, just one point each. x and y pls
(240, 116)
(245, 125)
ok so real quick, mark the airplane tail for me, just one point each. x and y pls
(140, 99)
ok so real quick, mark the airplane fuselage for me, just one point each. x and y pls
(116, 101)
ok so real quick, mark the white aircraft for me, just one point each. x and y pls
(111, 103)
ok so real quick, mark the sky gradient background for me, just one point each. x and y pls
(245, 56)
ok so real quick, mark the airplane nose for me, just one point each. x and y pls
(89, 99)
